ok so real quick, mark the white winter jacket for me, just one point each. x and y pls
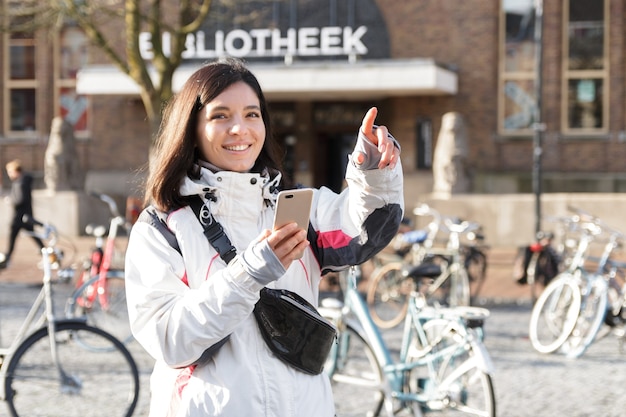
(180, 305)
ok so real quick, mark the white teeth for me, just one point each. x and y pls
(237, 148)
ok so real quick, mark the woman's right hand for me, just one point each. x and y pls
(288, 243)
(268, 257)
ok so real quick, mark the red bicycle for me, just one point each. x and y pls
(100, 292)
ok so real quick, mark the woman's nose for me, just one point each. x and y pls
(237, 127)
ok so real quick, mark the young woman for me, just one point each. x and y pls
(216, 143)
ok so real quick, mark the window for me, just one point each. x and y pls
(24, 76)
(585, 67)
(71, 55)
(20, 102)
(517, 68)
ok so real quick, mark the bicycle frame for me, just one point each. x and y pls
(453, 252)
(107, 258)
(103, 269)
(595, 298)
(449, 272)
(395, 372)
(32, 323)
(590, 231)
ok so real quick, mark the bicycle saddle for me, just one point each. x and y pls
(425, 270)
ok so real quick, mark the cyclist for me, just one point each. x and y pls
(216, 143)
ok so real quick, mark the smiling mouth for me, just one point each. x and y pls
(237, 147)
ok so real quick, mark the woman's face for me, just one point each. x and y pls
(231, 131)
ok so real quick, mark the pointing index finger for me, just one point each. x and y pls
(367, 127)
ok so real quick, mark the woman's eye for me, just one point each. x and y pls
(254, 114)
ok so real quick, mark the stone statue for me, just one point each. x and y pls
(450, 171)
(61, 166)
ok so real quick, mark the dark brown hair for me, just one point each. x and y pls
(176, 143)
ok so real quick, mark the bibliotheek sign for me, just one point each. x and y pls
(281, 30)
(261, 43)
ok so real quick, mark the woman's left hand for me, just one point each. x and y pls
(379, 136)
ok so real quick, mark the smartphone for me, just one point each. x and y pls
(293, 206)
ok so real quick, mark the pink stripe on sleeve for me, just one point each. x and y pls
(333, 239)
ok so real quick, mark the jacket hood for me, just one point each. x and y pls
(258, 190)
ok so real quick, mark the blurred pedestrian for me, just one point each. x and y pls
(22, 201)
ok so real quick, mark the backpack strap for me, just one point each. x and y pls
(157, 218)
(213, 231)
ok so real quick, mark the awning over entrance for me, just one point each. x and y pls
(311, 81)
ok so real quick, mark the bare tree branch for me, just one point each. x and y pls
(98, 19)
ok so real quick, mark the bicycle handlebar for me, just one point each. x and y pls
(462, 227)
(452, 224)
(425, 210)
(109, 201)
(594, 224)
(49, 231)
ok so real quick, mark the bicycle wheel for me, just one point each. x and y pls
(95, 383)
(590, 319)
(388, 295)
(452, 379)
(113, 316)
(555, 313)
(352, 367)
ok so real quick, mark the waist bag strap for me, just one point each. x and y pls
(304, 339)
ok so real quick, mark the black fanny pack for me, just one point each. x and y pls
(290, 325)
(294, 330)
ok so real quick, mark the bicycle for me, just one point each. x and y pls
(443, 364)
(100, 292)
(570, 312)
(554, 314)
(537, 264)
(601, 297)
(390, 287)
(603, 303)
(48, 371)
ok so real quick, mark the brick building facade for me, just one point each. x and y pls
(479, 48)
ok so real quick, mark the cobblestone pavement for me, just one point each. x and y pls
(527, 384)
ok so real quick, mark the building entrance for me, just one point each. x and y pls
(316, 139)
(332, 150)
